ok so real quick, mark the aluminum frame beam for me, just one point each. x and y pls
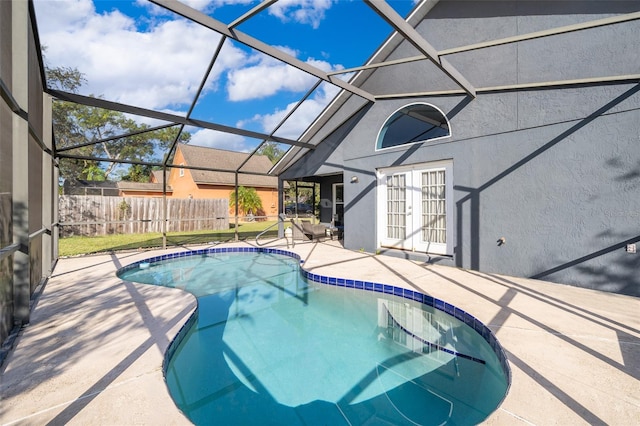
(380, 65)
(156, 164)
(212, 62)
(284, 119)
(172, 118)
(545, 33)
(8, 98)
(259, 8)
(632, 78)
(410, 34)
(221, 28)
(113, 138)
(497, 42)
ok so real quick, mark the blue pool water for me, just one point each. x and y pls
(269, 346)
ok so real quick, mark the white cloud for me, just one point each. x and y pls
(269, 77)
(300, 119)
(158, 64)
(54, 15)
(302, 11)
(264, 80)
(213, 139)
(205, 6)
(160, 67)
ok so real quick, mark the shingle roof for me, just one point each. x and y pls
(198, 156)
(90, 187)
(158, 175)
(141, 186)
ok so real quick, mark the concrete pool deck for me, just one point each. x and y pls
(94, 349)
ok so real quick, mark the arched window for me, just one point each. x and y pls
(411, 124)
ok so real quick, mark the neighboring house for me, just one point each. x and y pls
(157, 176)
(113, 189)
(190, 183)
(536, 174)
(142, 189)
(90, 187)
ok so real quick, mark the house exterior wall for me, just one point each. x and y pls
(555, 171)
(185, 187)
(28, 180)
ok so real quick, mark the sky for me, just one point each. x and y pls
(138, 53)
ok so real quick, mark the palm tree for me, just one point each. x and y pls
(248, 200)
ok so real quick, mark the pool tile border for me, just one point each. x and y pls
(425, 299)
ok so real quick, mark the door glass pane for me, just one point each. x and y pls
(338, 214)
(396, 207)
(339, 193)
(433, 207)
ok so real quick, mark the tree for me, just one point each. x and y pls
(78, 125)
(272, 151)
(138, 173)
(249, 201)
(93, 172)
(65, 78)
(66, 131)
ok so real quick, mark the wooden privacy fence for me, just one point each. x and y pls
(95, 215)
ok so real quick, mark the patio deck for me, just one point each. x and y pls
(93, 351)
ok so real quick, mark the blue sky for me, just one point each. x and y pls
(140, 54)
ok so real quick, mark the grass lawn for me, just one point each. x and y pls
(72, 246)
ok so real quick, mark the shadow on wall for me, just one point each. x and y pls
(14, 300)
(22, 269)
(317, 158)
(620, 275)
(6, 267)
(603, 278)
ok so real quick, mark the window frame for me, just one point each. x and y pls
(388, 121)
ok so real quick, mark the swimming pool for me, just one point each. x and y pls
(274, 344)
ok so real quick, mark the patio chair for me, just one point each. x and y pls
(313, 231)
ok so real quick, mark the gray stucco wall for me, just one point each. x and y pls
(23, 129)
(554, 171)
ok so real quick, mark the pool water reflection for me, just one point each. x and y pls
(268, 347)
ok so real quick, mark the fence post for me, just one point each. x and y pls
(235, 229)
(164, 206)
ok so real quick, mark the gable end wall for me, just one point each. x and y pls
(556, 172)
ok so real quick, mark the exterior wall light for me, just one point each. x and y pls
(354, 179)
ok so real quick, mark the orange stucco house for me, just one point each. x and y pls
(187, 183)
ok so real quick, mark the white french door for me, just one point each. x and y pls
(338, 204)
(415, 207)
